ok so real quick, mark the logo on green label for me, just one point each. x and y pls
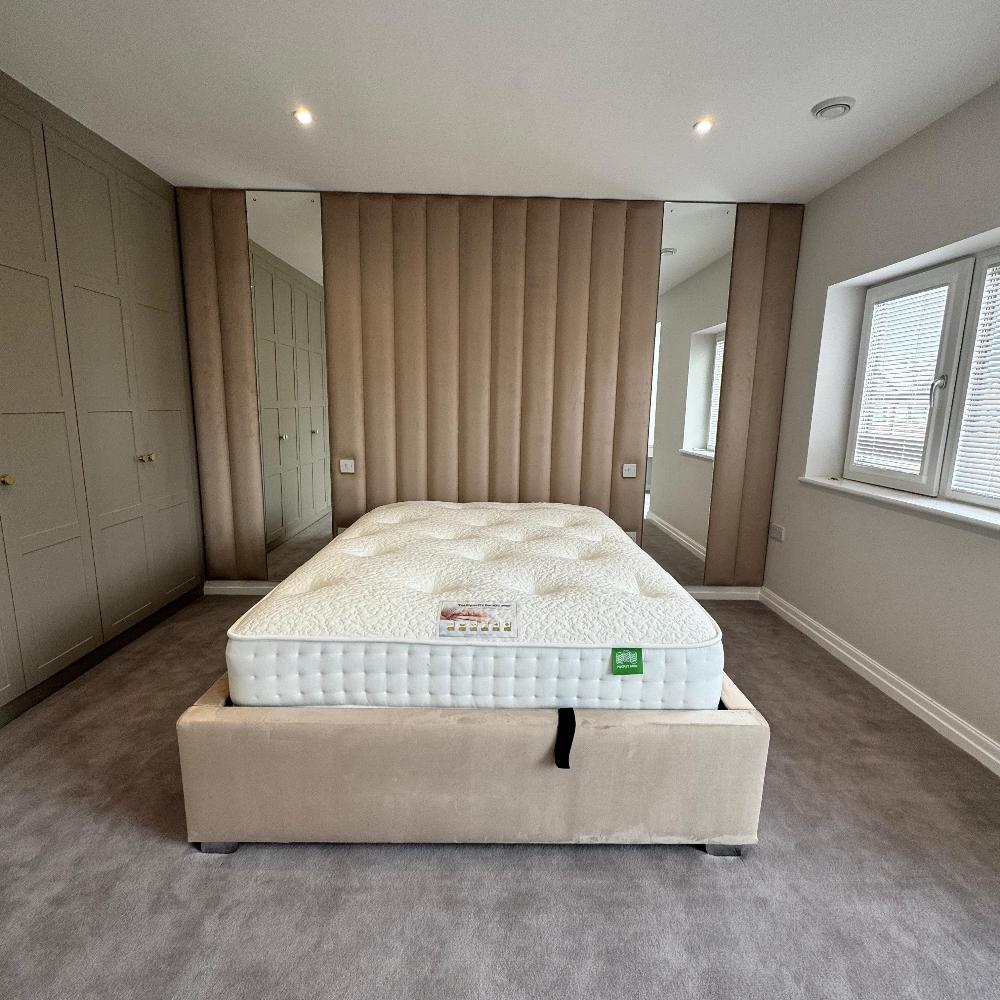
(626, 661)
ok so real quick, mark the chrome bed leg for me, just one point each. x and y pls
(218, 846)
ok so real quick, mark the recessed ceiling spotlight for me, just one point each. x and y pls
(668, 251)
(832, 107)
(303, 116)
(704, 125)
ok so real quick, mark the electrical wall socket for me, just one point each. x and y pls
(777, 532)
(347, 465)
(629, 470)
(633, 535)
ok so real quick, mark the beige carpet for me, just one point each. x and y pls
(878, 874)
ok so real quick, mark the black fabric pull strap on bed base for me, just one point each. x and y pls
(565, 730)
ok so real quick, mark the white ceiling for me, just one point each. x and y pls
(566, 97)
(699, 233)
(288, 223)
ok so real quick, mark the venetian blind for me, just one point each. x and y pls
(900, 367)
(977, 457)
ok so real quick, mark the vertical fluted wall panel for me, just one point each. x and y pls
(541, 272)
(509, 222)
(345, 375)
(572, 305)
(489, 348)
(603, 327)
(409, 224)
(378, 348)
(635, 352)
(442, 348)
(216, 260)
(475, 308)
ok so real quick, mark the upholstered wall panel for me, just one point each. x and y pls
(216, 261)
(489, 348)
(762, 284)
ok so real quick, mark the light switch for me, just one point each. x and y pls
(347, 465)
(628, 470)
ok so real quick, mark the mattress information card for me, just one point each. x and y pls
(626, 660)
(493, 621)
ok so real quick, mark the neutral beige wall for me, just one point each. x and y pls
(919, 596)
(682, 485)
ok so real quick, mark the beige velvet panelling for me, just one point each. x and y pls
(489, 348)
(765, 259)
(216, 262)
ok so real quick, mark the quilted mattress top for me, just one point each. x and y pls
(575, 577)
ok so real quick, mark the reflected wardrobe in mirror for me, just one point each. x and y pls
(695, 263)
(286, 259)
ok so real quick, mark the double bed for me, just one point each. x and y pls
(411, 681)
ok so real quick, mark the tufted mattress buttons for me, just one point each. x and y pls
(357, 624)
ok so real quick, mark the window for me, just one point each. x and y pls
(652, 394)
(714, 389)
(926, 411)
(701, 419)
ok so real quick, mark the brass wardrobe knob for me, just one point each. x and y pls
(7, 479)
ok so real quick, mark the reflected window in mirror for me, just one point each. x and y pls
(704, 388)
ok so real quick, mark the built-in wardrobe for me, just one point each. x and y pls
(290, 341)
(99, 512)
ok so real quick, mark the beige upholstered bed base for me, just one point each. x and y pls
(429, 775)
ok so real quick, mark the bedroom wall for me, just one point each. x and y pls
(682, 484)
(489, 348)
(916, 598)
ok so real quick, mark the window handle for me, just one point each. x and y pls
(939, 383)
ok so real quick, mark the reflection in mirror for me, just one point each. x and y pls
(286, 259)
(690, 336)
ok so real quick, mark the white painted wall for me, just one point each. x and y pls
(682, 486)
(919, 596)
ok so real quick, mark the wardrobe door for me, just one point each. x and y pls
(43, 513)
(168, 480)
(84, 196)
(11, 674)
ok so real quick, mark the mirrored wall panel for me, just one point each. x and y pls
(286, 260)
(695, 264)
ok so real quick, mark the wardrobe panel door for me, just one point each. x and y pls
(43, 516)
(11, 674)
(175, 547)
(306, 436)
(302, 358)
(102, 351)
(273, 526)
(169, 478)
(290, 499)
(286, 373)
(47, 542)
(307, 507)
(300, 316)
(283, 325)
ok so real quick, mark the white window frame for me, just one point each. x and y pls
(719, 338)
(983, 262)
(957, 275)
(698, 402)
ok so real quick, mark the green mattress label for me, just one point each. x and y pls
(625, 660)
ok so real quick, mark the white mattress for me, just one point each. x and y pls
(358, 623)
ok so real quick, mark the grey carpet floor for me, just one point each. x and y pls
(291, 554)
(878, 874)
(684, 566)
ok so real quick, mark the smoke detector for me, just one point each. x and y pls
(832, 107)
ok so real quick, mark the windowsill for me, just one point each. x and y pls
(705, 456)
(932, 507)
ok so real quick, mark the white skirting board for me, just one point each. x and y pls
(954, 728)
(677, 535)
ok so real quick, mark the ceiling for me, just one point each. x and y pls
(700, 234)
(288, 223)
(568, 97)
